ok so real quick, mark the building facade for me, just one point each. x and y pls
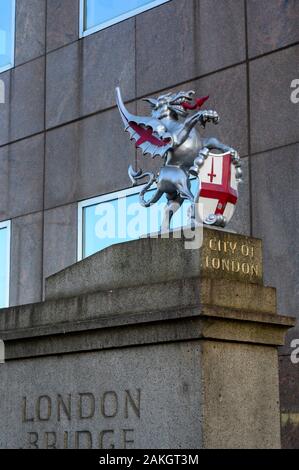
(63, 151)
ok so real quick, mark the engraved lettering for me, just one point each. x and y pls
(126, 439)
(87, 405)
(33, 440)
(109, 404)
(50, 440)
(233, 246)
(213, 244)
(225, 263)
(43, 415)
(66, 440)
(87, 439)
(216, 263)
(134, 403)
(245, 268)
(235, 266)
(102, 439)
(254, 270)
(245, 250)
(25, 418)
(67, 407)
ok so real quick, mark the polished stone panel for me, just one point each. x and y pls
(30, 30)
(26, 259)
(5, 110)
(60, 239)
(271, 25)
(274, 117)
(108, 60)
(62, 23)
(22, 166)
(27, 99)
(86, 159)
(274, 207)
(184, 39)
(62, 85)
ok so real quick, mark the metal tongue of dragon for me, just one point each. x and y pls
(170, 133)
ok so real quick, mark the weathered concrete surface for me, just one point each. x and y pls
(151, 260)
(163, 382)
(183, 357)
(240, 396)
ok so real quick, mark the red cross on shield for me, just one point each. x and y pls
(219, 189)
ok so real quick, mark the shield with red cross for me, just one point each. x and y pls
(219, 191)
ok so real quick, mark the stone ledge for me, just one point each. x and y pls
(175, 295)
(158, 327)
(152, 260)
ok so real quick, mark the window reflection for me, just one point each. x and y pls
(101, 12)
(4, 264)
(121, 219)
(7, 31)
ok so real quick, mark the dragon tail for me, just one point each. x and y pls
(137, 175)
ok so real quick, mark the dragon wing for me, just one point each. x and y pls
(149, 133)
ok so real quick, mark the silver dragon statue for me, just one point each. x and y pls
(170, 133)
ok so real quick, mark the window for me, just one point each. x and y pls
(99, 14)
(7, 34)
(4, 263)
(118, 217)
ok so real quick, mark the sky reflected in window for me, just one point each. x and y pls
(102, 11)
(3, 266)
(123, 219)
(7, 15)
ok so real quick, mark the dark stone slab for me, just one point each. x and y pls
(5, 111)
(26, 259)
(289, 394)
(30, 30)
(271, 25)
(274, 118)
(219, 32)
(208, 35)
(274, 204)
(62, 86)
(86, 159)
(62, 23)
(60, 238)
(27, 99)
(108, 60)
(22, 166)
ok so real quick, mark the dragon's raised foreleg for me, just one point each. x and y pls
(201, 117)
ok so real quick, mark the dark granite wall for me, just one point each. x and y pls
(61, 139)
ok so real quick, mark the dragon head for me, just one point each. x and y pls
(174, 105)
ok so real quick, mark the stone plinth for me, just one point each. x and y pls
(147, 344)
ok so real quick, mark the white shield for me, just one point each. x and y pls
(219, 188)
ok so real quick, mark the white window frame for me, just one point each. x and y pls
(7, 225)
(13, 23)
(117, 19)
(98, 200)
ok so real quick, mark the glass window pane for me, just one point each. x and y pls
(123, 219)
(101, 11)
(7, 31)
(4, 263)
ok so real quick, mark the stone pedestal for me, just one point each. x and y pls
(147, 344)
